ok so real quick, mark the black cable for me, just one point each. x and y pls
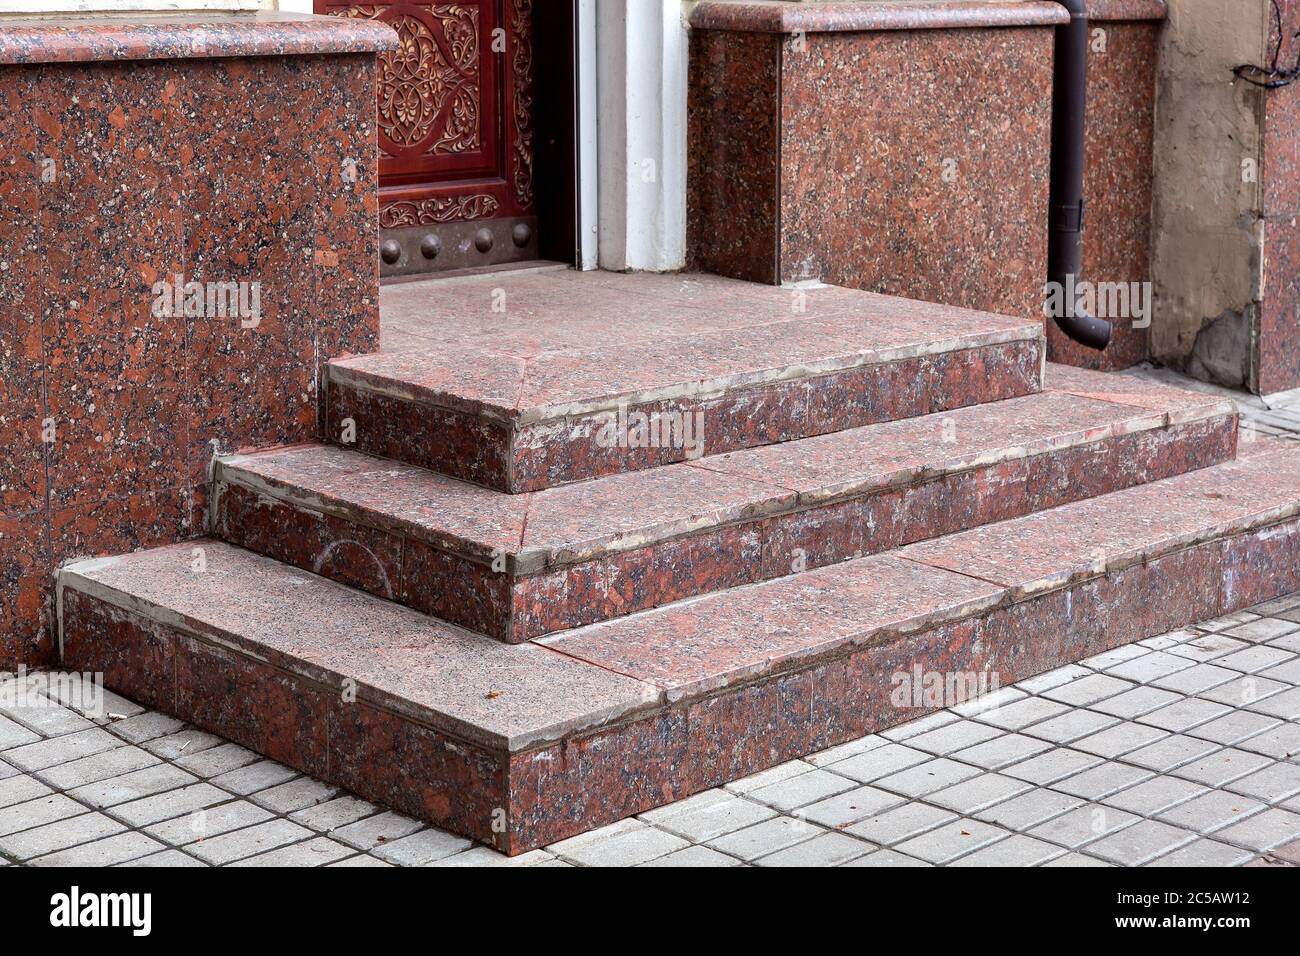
(1272, 78)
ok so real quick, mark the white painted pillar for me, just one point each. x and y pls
(641, 53)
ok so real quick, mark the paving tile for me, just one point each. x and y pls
(1029, 809)
(100, 766)
(1072, 725)
(147, 726)
(1211, 811)
(1083, 825)
(955, 736)
(57, 750)
(1262, 629)
(1290, 642)
(1196, 679)
(167, 858)
(772, 775)
(95, 701)
(20, 788)
(107, 852)
(1287, 672)
(217, 760)
(371, 832)
(295, 795)
(1245, 691)
(693, 856)
(1237, 726)
(1259, 659)
(172, 803)
(801, 790)
(48, 719)
(1052, 765)
(986, 702)
(1263, 831)
(254, 777)
(927, 777)
(1023, 713)
(1015, 850)
(1229, 621)
(182, 743)
(843, 809)
(1185, 714)
(1170, 752)
(208, 823)
(1281, 742)
(921, 725)
(484, 856)
(1126, 652)
(978, 793)
(1054, 678)
(1088, 690)
(1077, 860)
(1119, 739)
(1208, 647)
(766, 837)
(1002, 751)
(1273, 784)
(133, 786)
(59, 835)
(880, 762)
(886, 858)
(1102, 780)
(708, 815)
(1145, 840)
(1285, 704)
(952, 840)
(1149, 667)
(826, 849)
(317, 852)
(900, 823)
(1222, 766)
(421, 847)
(825, 758)
(37, 812)
(1205, 853)
(239, 844)
(1136, 702)
(1151, 796)
(339, 812)
(7, 771)
(363, 860)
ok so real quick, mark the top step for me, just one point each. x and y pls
(525, 381)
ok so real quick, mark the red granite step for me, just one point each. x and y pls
(579, 375)
(521, 745)
(520, 566)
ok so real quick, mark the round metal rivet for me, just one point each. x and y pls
(522, 234)
(390, 251)
(483, 240)
(430, 246)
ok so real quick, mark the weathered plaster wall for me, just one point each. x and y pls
(1206, 223)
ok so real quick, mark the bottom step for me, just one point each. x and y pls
(520, 746)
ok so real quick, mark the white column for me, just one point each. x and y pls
(641, 52)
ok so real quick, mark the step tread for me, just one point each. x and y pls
(573, 343)
(571, 523)
(516, 696)
(716, 640)
(498, 695)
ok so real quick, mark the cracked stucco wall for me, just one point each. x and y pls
(1206, 221)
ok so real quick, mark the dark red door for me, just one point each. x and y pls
(455, 116)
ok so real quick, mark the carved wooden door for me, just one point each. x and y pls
(455, 118)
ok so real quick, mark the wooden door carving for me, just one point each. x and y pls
(455, 129)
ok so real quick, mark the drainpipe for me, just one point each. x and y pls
(1069, 111)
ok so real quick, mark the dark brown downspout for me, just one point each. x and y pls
(1065, 235)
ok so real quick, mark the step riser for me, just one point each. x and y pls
(520, 608)
(542, 455)
(596, 778)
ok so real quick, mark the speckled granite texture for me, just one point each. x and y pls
(510, 382)
(517, 567)
(1278, 339)
(903, 149)
(519, 746)
(118, 175)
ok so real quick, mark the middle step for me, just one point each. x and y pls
(518, 567)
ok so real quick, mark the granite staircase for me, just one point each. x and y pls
(499, 600)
